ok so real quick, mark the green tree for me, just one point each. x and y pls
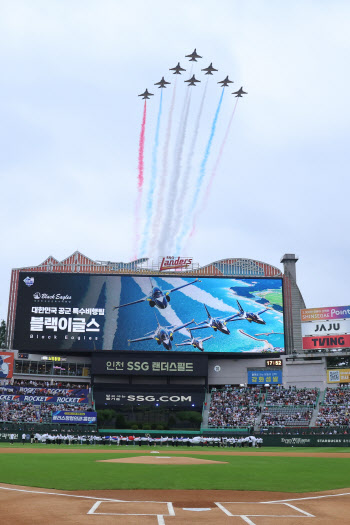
(2, 334)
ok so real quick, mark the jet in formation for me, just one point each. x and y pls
(157, 297)
(192, 81)
(216, 323)
(177, 69)
(225, 82)
(240, 92)
(146, 94)
(209, 70)
(162, 83)
(193, 56)
(194, 341)
(162, 334)
(250, 316)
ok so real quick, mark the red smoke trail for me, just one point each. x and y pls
(140, 180)
(141, 149)
(213, 173)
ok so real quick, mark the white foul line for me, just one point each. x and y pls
(309, 497)
(66, 495)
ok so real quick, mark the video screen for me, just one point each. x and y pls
(149, 313)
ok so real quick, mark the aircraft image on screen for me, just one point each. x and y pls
(193, 56)
(217, 323)
(194, 341)
(177, 69)
(157, 297)
(162, 334)
(209, 70)
(250, 316)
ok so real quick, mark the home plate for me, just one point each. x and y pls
(197, 510)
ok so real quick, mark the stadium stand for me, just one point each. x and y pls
(335, 408)
(234, 407)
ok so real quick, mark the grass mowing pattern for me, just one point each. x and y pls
(82, 472)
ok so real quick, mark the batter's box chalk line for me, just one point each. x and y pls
(160, 517)
(273, 510)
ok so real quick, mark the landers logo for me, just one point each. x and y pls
(175, 263)
(29, 281)
(54, 297)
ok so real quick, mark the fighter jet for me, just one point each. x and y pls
(192, 81)
(249, 316)
(194, 341)
(146, 94)
(239, 93)
(216, 323)
(157, 297)
(193, 56)
(162, 83)
(162, 334)
(225, 82)
(177, 69)
(209, 70)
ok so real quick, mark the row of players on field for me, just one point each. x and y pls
(93, 439)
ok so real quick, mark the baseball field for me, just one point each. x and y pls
(193, 478)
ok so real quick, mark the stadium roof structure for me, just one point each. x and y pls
(80, 263)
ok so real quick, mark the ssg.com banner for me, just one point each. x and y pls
(139, 313)
(85, 418)
(155, 399)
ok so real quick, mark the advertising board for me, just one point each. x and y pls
(36, 400)
(262, 377)
(325, 313)
(126, 364)
(340, 375)
(330, 327)
(81, 418)
(330, 341)
(160, 398)
(142, 313)
(6, 365)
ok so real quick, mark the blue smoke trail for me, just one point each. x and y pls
(153, 181)
(201, 174)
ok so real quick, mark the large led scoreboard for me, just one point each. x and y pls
(139, 313)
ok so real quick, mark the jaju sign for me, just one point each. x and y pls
(175, 263)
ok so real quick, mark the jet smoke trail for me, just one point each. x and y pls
(152, 186)
(158, 215)
(179, 206)
(202, 171)
(169, 228)
(140, 179)
(214, 170)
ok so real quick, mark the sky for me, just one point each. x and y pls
(70, 122)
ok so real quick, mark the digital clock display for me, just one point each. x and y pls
(273, 362)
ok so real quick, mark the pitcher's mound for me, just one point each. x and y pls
(162, 460)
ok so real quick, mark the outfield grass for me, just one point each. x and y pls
(83, 472)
